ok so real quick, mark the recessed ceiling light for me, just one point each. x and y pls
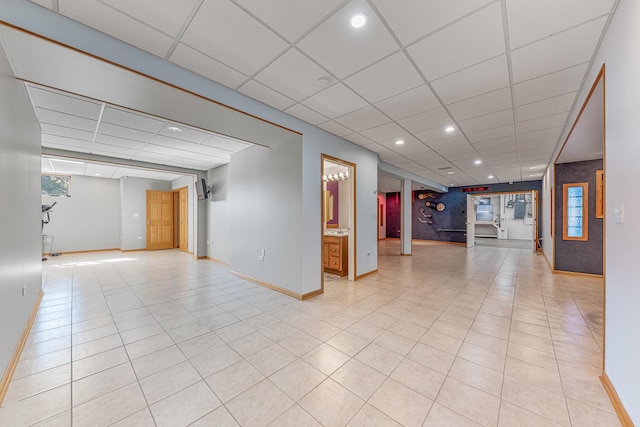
(490, 177)
(97, 174)
(399, 142)
(477, 162)
(175, 129)
(358, 20)
(449, 173)
(533, 167)
(323, 82)
(449, 129)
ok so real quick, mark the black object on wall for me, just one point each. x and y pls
(572, 255)
(450, 224)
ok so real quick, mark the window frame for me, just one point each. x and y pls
(585, 211)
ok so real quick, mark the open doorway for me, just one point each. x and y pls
(507, 220)
(338, 219)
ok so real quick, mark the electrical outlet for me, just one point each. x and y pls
(24, 290)
(260, 258)
(139, 237)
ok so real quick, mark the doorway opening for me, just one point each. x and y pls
(507, 220)
(338, 219)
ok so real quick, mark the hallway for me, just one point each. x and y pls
(449, 336)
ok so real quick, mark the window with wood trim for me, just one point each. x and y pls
(575, 212)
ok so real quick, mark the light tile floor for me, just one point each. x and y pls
(448, 337)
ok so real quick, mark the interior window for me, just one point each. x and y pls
(575, 213)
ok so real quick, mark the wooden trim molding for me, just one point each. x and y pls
(573, 273)
(311, 294)
(278, 288)
(362, 276)
(585, 211)
(600, 193)
(8, 373)
(622, 413)
(217, 261)
(87, 251)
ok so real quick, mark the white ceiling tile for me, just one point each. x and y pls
(265, 94)
(160, 149)
(335, 128)
(240, 41)
(293, 75)
(417, 18)
(186, 133)
(66, 143)
(227, 144)
(356, 138)
(365, 118)
(103, 18)
(540, 134)
(210, 151)
(554, 84)
(480, 105)
(64, 103)
(306, 114)
(148, 156)
(119, 142)
(439, 136)
(477, 80)
(299, 16)
(546, 107)
(380, 133)
(199, 63)
(111, 154)
(66, 120)
(120, 117)
(373, 83)
(113, 149)
(411, 102)
(342, 49)
(172, 143)
(499, 118)
(335, 101)
(124, 132)
(467, 42)
(542, 123)
(572, 47)
(493, 133)
(502, 143)
(167, 16)
(66, 132)
(531, 21)
(428, 120)
(449, 141)
(376, 148)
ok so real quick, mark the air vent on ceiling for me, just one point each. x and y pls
(445, 168)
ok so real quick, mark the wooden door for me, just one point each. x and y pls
(159, 220)
(183, 221)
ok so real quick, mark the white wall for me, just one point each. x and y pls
(619, 51)
(20, 248)
(219, 215)
(89, 219)
(266, 213)
(133, 199)
(187, 181)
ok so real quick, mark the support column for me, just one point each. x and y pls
(405, 217)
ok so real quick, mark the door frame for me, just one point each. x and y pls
(352, 251)
(177, 219)
(534, 201)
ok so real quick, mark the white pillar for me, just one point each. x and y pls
(405, 217)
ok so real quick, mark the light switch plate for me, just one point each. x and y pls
(618, 212)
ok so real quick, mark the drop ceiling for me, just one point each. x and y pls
(79, 124)
(503, 73)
